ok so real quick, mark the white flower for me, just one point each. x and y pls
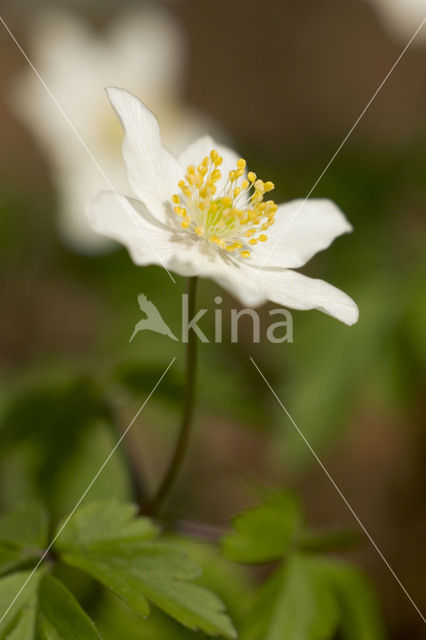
(201, 214)
(403, 17)
(143, 51)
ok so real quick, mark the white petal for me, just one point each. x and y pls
(294, 290)
(195, 152)
(153, 173)
(301, 229)
(192, 257)
(150, 242)
(127, 221)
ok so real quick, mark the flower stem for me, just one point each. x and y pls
(188, 407)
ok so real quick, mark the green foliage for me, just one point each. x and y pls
(294, 604)
(359, 613)
(44, 610)
(26, 526)
(103, 521)
(111, 544)
(231, 582)
(23, 535)
(139, 569)
(308, 597)
(264, 533)
(51, 421)
(18, 623)
(59, 614)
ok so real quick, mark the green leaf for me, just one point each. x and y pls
(359, 611)
(115, 620)
(264, 533)
(18, 623)
(43, 610)
(138, 569)
(23, 536)
(103, 521)
(141, 571)
(60, 617)
(232, 583)
(297, 603)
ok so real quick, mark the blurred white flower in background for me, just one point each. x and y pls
(403, 17)
(143, 50)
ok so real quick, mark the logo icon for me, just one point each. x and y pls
(153, 320)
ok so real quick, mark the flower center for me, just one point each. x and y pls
(234, 218)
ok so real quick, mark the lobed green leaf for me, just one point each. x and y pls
(108, 543)
(295, 604)
(43, 609)
(264, 533)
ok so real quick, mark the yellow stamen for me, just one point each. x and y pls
(231, 214)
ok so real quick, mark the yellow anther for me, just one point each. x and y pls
(224, 219)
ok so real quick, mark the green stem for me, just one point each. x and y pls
(188, 409)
